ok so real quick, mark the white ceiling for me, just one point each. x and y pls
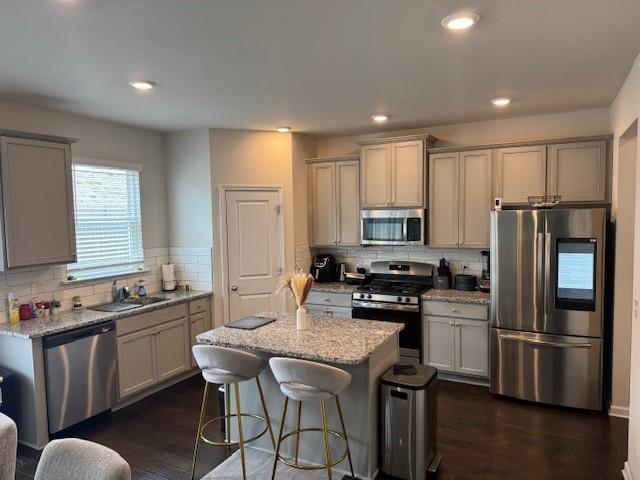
(321, 66)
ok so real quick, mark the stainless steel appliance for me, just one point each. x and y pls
(393, 295)
(547, 285)
(81, 374)
(409, 423)
(392, 227)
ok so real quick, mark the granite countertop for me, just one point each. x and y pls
(333, 340)
(68, 320)
(334, 287)
(457, 296)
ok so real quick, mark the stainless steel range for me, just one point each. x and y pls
(393, 295)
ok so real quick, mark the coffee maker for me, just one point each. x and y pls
(484, 284)
(324, 268)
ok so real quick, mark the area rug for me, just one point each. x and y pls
(259, 466)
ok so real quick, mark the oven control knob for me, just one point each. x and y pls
(399, 299)
(407, 299)
(362, 295)
(369, 296)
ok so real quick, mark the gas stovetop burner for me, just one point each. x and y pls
(393, 288)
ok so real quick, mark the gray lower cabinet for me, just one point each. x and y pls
(329, 303)
(199, 321)
(37, 203)
(156, 346)
(456, 338)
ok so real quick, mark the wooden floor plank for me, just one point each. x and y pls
(480, 437)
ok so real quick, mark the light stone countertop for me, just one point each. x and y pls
(68, 320)
(457, 296)
(344, 341)
(334, 287)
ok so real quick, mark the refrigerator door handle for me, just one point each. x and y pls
(544, 343)
(539, 281)
(548, 291)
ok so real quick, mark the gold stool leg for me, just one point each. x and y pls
(298, 430)
(227, 411)
(325, 434)
(277, 452)
(266, 414)
(240, 437)
(203, 409)
(344, 432)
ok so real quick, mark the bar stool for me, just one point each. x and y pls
(302, 380)
(226, 366)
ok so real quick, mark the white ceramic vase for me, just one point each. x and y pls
(302, 319)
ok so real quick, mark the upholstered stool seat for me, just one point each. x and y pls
(227, 366)
(302, 380)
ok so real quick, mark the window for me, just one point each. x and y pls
(108, 221)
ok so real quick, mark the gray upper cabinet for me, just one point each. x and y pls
(443, 199)
(392, 171)
(407, 174)
(37, 196)
(578, 171)
(475, 199)
(460, 199)
(520, 172)
(322, 191)
(376, 176)
(334, 194)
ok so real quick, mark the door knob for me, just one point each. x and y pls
(234, 287)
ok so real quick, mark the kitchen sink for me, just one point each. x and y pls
(140, 301)
(128, 304)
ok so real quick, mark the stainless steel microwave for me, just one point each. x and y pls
(392, 227)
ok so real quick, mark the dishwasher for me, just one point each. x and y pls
(81, 374)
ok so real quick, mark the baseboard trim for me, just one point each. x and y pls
(155, 389)
(452, 377)
(616, 411)
(626, 472)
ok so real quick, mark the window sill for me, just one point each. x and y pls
(108, 276)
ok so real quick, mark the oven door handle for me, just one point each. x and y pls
(385, 306)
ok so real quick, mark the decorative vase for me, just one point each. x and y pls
(302, 320)
(54, 311)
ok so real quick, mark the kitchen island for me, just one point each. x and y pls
(364, 348)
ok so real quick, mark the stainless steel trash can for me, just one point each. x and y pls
(409, 423)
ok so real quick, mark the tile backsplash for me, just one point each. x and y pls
(460, 260)
(192, 265)
(46, 283)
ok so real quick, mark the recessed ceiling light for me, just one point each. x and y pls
(142, 84)
(380, 117)
(283, 129)
(501, 101)
(460, 21)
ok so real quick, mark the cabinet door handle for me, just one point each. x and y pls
(234, 287)
(451, 324)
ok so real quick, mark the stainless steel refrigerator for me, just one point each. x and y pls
(547, 290)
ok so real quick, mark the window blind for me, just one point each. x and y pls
(108, 219)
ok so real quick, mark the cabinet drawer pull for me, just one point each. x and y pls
(454, 310)
(327, 299)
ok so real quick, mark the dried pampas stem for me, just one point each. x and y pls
(299, 284)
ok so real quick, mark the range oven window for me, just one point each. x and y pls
(383, 229)
(576, 274)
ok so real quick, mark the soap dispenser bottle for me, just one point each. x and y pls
(141, 290)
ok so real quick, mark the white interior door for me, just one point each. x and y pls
(254, 251)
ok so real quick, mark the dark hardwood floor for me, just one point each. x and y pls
(480, 437)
